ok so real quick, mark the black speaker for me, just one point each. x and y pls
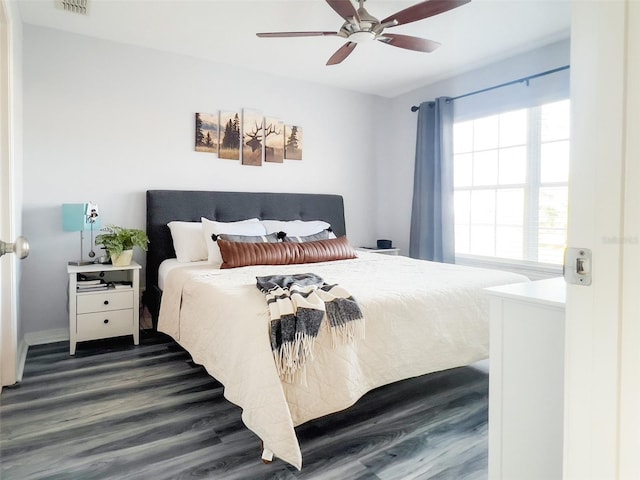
(383, 244)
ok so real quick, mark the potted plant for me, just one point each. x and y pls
(119, 242)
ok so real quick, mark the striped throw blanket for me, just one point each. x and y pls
(297, 306)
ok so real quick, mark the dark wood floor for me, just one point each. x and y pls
(115, 411)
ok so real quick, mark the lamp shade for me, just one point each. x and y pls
(80, 216)
(73, 217)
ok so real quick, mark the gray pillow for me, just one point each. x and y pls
(323, 235)
(266, 238)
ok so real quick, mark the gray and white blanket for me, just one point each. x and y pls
(297, 306)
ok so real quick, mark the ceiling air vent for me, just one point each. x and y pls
(76, 6)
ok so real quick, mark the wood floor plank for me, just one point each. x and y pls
(119, 411)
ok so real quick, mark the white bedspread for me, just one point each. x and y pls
(420, 317)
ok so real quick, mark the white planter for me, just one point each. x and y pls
(123, 259)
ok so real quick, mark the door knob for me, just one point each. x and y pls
(20, 247)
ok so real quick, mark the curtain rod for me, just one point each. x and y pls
(512, 82)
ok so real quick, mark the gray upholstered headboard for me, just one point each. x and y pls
(164, 206)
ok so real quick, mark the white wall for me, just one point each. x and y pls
(394, 181)
(106, 121)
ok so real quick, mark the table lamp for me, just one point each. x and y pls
(78, 217)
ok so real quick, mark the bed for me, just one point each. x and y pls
(420, 317)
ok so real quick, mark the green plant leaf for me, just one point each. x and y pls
(118, 239)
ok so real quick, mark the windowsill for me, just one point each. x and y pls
(534, 271)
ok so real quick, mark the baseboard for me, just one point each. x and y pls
(36, 338)
(23, 348)
(47, 336)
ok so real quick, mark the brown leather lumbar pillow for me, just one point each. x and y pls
(236, 254)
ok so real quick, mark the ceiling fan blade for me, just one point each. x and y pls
(423, 10)
(409, 42)
(342, 53)
(345, 9)
(295, 34)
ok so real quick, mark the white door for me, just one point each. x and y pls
(602, 374)
(8, 211)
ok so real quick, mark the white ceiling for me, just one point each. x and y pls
(472, 35)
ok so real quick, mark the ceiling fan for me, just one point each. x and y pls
(360, 26)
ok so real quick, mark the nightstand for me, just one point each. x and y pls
(384, 251)
(104, 313)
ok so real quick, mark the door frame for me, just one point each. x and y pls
(8, 209)
(602, 363)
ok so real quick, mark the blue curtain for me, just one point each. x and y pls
(432, 236)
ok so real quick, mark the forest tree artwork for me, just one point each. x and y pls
(250, 137)
(206, 132)
(293, 145)
(229, 136)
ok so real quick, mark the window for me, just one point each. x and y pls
(511, 184)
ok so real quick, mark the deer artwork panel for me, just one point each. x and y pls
(229, 135)
(252, 137)
(273, 140)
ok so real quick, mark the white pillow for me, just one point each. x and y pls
(251, 226)
(187, 241)
(295, 228)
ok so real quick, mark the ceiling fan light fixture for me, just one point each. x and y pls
(360, 37)
(362, 27)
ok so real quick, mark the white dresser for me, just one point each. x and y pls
(526, 380)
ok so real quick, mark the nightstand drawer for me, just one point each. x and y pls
(105, 324)
(102, 302)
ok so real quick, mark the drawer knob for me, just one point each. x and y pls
(106, 302)
(106, 320)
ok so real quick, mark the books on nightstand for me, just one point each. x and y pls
(99, 284)
(91, 285)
